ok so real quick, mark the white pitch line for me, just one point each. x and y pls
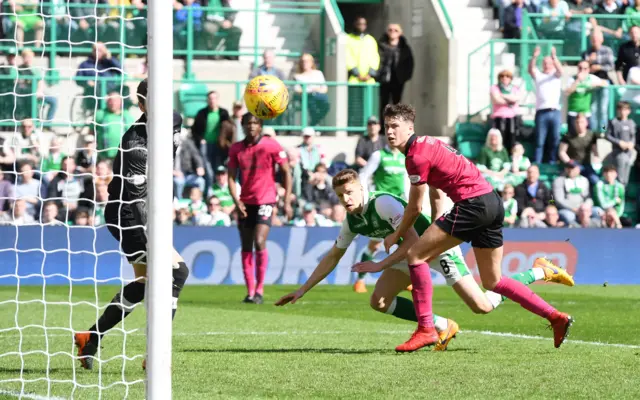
(376, 332)
(27, 395)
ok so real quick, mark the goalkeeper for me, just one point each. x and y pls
(126, 219)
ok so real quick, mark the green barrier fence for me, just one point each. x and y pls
(123, 29)
(523, 50)
(575, 31)
(305, 109)
(446, 15)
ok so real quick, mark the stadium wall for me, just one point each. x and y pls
(594, 256)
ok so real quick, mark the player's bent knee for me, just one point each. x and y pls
(489, 283)
(260, 243)
(380, 303)
(481, 308)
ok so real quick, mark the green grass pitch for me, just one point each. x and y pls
(329, 345)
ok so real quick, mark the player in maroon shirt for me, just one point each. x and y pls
(476, 217)
(256, 158)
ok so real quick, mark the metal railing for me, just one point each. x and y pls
(299, 114)
(446, 15)
(125, 14)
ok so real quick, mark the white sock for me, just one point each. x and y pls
(440, 323)
(538, 273)
(392, 306)
(494, 298)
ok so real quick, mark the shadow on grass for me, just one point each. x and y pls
(39, 371)
(294, 350)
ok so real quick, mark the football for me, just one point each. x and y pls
(266, 96)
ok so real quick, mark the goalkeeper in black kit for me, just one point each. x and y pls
(126, 218)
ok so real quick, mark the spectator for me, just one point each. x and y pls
(510, 205)
(268, 132)
(611, 220)
(318, 188)
(102, 198)
(533, 194)
(518, 165)
(548, 92)
(7, 157)
(7, 192)
(632, 96)
(584, 218)
(24, 16)
(69, 190)
(493, 159)
(51, 163)
(579, 94)
(611, 27)
(628, 55)
(100, 64)
(553, 23)
(110, 124)
(9, 73)
(268, 66)
(621, 132)
(221, 33)
(82, 218)
(214, 215)
(196, 205)
(226, 138)
(236, 118)
(309, 153)
(580, 7)
(27, 145)
(601, 62)
(311, 218)
(314, 86)
(181, 19)
(87, 157)
(90, 20)
(369, 143)
(221, 192)
(396, 65)
(513, 19)
(18, 215)
(551, 218)
(570, 191)
(50, 213)
(293, 154)
(29, 74)
(339, 214)
(581, 149)
(363, 62)
(205, 132)
(188, 170)
(633, 17)
(504, 100)
(183, 218)
(29, 189)
(103, 173)
(609, 193)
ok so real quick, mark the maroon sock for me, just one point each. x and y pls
(521, 294)
(262, 260)
(249, 271)
(422, 293)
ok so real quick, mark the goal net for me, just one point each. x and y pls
(67, 93)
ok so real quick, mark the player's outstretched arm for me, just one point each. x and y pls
(324, 268)
(411, 213)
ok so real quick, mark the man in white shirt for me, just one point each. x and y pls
(548, 92)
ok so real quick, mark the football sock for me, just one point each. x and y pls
(120, 307)
(262, 260)
(180, 275)
(526, 277)
(248, 270)
(366, 256)
(422, 293)
(402, 308)
(521, 294)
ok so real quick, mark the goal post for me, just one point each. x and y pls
(160, 196)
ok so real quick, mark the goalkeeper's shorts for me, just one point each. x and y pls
(123, 225)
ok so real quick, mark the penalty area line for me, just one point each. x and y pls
(23, 395)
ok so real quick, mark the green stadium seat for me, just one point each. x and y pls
(192, 98)
(552, 170)
(632, 190)
(470, 149)
(469, 131)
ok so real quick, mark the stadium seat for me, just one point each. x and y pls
(469, 131)
(470, 149)
(192, 98)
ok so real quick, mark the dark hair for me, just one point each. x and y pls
(623, 104)
(320, 167)
(142, 92)
(211, 92)
(608, 168)
(401, 111)
(343, 177)
(247, 117)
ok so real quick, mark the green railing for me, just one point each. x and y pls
(192, 43)
(575, 31)
(336, 10)
(523, 50)
(446, 15)
(87, 100)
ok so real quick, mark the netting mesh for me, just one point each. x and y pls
(66, 89)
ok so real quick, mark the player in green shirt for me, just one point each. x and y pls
(386, 169)
(376, 215)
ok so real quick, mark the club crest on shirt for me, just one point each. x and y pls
(414, 178)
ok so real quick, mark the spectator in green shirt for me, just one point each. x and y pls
(633, 16)
(205, 132)
(220, 190)
(493, 159)
(51, 163)
(609, 192)
(110, 124)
